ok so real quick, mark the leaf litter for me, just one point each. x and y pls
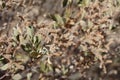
(78, 43)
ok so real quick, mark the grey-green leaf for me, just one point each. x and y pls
(6, 66)
(17, 77)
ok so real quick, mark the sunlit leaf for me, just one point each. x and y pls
(67, 15)
(30, 31)
(17, 77)
(83, 2)
(22, 57)
(59, 20)
(6, 66)
(15, 32)
(64, 70)
(29, 75)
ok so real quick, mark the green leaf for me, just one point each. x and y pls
(65, 3)
(18, 38)
(30, 31)
(67, 15)
(17, 77)
(44, 50)
(22, 57)
(79, 1)
(22, 40)
(64, 70)
(35, 39)
(15, 32)
(6, 66)
(3, 5)
(59, 20)
(83, 2)
(53, 17)
(23, 47)
(42, 66)
(26, 47)
(1, 58)
(34, 54)
(29, 75)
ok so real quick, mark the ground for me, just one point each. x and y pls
(59, 40)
